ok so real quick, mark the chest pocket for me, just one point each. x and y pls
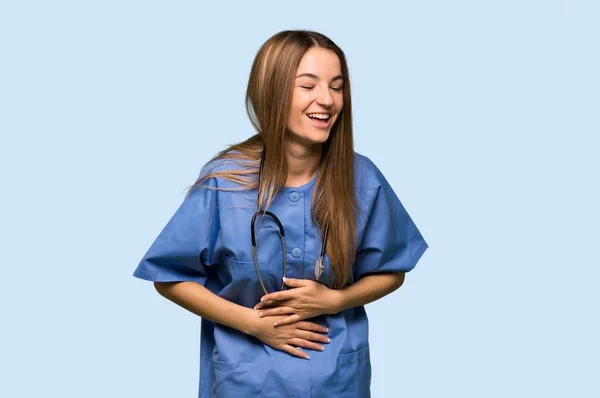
(238, 271)
(242, 285)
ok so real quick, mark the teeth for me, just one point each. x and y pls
(319, 115)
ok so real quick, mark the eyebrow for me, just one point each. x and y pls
(313, 76)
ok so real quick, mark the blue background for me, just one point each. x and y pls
(483, 115)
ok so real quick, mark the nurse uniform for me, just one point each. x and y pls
(208, 241)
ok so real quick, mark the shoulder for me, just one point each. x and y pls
(216, 171)
(367, 175)
(370, 185)
(218, 165)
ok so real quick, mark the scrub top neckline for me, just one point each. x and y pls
(304, 187)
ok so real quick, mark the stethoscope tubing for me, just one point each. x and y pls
(281, 234)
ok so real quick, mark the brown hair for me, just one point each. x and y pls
(268, 100)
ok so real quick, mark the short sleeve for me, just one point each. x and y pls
(185, 246)
(391, 241)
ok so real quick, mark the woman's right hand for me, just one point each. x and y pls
(287, 337)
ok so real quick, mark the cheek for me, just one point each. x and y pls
(296, 117)
(339, 103)
(302, 100)
(297, 110)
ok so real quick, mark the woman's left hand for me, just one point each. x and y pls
(307, 299)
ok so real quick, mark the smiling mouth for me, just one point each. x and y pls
(319, 116)
(320, 120)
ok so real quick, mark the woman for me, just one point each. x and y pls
(286, 236)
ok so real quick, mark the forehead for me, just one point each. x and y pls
(321, 62)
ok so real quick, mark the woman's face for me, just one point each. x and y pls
(317, 97)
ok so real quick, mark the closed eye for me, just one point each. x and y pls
(311, 87)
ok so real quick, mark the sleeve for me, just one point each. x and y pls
(185, 246)
(391, 241)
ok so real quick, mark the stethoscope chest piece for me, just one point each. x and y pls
(319, 268)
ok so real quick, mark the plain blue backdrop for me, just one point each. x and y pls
(483, 115)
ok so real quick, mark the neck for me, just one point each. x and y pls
(302, 162)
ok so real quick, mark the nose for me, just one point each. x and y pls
(324, 97)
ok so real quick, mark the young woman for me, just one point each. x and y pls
(286, 236)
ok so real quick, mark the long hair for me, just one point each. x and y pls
(268, 102)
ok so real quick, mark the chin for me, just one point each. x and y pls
(317, 138)
(310, 137)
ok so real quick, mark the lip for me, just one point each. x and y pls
(320, 124)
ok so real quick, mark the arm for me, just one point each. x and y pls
(368, 289)
(202, 302)
(309, 298)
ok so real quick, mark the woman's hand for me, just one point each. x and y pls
(286, 338)
(307, 300)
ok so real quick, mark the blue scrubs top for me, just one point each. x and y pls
(208, 241)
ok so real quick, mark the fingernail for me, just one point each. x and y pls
(326, 330)
(328, 340)
(262, 299)
(284, 279)
(260, 314)
(307, 357)
(274, 323)
(322, 348)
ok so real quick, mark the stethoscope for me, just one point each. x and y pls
(319, 263)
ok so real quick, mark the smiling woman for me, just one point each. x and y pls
(286, 236)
